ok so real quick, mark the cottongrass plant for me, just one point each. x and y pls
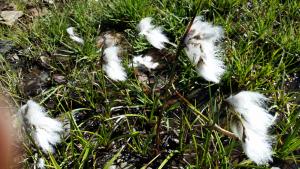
(251, 125)
(113, 64)
(153, 34)
(74, 36)
(201, 48)
(251, 118)
(144, 62)
(46, 131)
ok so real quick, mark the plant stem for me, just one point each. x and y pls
(166, 94)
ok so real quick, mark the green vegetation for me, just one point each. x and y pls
(262, 47)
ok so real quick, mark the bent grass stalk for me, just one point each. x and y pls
(172, 77)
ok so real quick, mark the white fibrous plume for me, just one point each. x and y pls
(46, 130)
(41, 163)
(253, 124)
(113, 64)
(144, 61)
(201, 48)
(73, 35)
(153, 34)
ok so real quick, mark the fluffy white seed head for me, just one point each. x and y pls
(46, 130)
(153, 34)
(144, 61)
(201, 30)
(211, 69)
(73, 35)
(113, 64)
(37, 116)
(156, 38)
(70, 31)
(258, 147)
(202, 51)
(41, 163)
(251, 106)
(194, 52)
(46, 140)
(145, 25)
(252, 129)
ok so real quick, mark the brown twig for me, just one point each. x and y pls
(224, 132)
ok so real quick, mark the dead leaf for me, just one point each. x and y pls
(109, 38)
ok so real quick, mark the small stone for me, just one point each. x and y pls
(123, 165)
(10, 17)
(119, 160)
(113, 167)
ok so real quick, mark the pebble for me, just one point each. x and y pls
(10, 17)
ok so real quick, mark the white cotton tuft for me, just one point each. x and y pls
(194, 52)
(211, 68)
(205, 31)
(73, 35)
(47, 130)
(113, 66)
(257, 146)
(202, 50)
(41, 163)
(144, 61)
(145, 25)
(256, 121)
(157, 38)
(251, 105)
(153, 34)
